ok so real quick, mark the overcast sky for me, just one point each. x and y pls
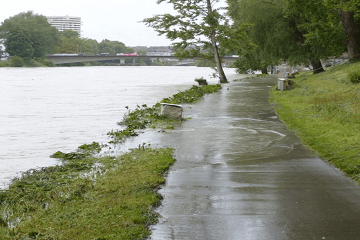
(116, 20)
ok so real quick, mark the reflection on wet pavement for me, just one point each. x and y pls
(240, 174)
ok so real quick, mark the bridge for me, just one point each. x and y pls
(56, 59)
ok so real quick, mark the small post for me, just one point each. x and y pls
(171, 110)
(281, 84)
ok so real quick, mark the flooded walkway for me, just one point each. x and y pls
(241, 174)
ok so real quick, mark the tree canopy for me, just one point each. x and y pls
(37, 35)
(295, 31)
(196, 29)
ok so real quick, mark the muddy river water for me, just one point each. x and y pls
(44, 110)
(240, 173)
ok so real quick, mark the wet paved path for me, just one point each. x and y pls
(240, 174)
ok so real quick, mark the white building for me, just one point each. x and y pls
(62, 23)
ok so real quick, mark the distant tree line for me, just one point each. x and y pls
(71, 43)
(28, 37)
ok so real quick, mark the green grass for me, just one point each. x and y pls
(65, 203)
(92, 197)
(324, 111)
(144, 116)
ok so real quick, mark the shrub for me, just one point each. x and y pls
(16, 62)
(45, 62)
(33, 63)
(354, 75)
(4, 64)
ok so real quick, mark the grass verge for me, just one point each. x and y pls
(324, 111)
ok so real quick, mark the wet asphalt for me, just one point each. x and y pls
(241, 174)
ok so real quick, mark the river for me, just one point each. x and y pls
(44, 110)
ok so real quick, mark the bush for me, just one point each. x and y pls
(45, 62)
(16, 62)
(33, 63)
(354, 75)
(4, 64)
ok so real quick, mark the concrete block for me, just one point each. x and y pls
(171, 110)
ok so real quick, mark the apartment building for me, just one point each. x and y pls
(62, 23)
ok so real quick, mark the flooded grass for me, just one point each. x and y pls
(60, 203)
(144, 116)
(324, 111)
(94, 197)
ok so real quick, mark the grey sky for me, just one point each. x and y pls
(111, 19)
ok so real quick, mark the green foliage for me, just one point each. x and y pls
(16, 62)
(201, 81)
(71, 43)
(36, 35)
(293, 31)
(119, 136)
(45, 62)
(19, 44)
(113, 47)
(324, 112)
(354, 75)
(88, 197)
(96, 198)
(83, 151)
(4, 64)
(192, 95)
(196, 29)
(144, 116)
(33, 63)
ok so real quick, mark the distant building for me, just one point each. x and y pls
(62, 23)
(159, 51)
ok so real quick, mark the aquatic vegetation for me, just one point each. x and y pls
(82, 152)
(119, 136)
(192, 95)
(144, 116)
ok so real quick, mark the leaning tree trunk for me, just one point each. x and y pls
(317, 66)
(348, 22)
(264, 71)
(215, 50)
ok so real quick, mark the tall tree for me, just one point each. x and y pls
(19, 44)
(267, 29)
(350, 18)
(71, 43)
(42, 35)
(197, 26)
(113, 47)
(296, 31)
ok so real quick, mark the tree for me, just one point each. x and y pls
(43, 37)
(350, 16)
(71, 43)
(296, 31)
(266, 29)
(113, 47)
(322, 34)
(19, 44)
(197, 27)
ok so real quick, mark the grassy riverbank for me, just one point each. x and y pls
(88, 197)
(83, 204)
(324, 111)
